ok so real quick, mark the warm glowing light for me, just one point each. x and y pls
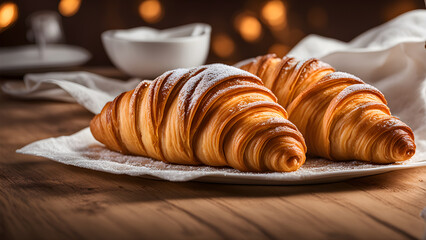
(395, 8)
(8, 14)
(249, 27)
(151, 11)
(223, 46)
(317, 17)
(274, 14)
(280, 49)
(69, 7)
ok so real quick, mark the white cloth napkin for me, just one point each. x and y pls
(89, 90)
(391, 57)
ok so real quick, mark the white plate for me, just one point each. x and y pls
(82, 150)
(27, 58)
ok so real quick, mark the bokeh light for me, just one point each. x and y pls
(274, 14)
(317, 17)
(8, 14)
(223, 46)
(280, 49)
(248, 26)
(396, 8)
(151, 11)
(69, 7)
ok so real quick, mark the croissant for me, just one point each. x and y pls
(340, 116)
(215, 115)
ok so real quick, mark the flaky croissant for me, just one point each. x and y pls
(340, 116)
(215, 115)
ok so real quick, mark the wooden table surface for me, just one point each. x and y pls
(43, 199)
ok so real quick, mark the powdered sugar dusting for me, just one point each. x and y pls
(339, 75)
(197, 86)
(82, 150)
(356, 88)
(173, 78)
(213, 74)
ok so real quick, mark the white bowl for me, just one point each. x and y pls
(147, 52)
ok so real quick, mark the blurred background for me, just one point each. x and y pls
(241, 28)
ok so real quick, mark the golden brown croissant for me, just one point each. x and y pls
(215, 115)
(340, 116)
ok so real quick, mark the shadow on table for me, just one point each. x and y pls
(51, 178)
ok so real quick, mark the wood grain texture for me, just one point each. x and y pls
(42, 199)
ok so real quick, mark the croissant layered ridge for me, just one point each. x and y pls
(340, 116)
(215, 115)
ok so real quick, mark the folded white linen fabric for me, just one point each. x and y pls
(88, 89)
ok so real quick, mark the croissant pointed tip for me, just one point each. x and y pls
(409, 153)
(93, 126)
(408, 148)
(404, 147)
(292, 163)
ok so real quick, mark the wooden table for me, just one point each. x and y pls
(43, 199)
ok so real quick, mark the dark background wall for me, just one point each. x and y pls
(340, 19)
